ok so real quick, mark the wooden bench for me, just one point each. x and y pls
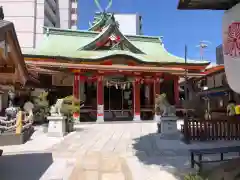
(201, 152)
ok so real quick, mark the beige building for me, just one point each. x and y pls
(29, 16)
(130, 24)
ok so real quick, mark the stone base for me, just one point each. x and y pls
(157, 118)
(168, 126)
(137, 117)
(56, 126)
(11, 138)
(175, 136)
(100, 119)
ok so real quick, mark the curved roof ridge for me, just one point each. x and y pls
(188, 60)
(129, 42)
(88, 46)
(107, 32)
(60, 31)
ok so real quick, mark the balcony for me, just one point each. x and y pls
(48, 11)
(52, 4)
(48, 23)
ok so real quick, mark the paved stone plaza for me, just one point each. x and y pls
(119, 151)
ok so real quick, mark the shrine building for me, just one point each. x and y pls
(116, 75)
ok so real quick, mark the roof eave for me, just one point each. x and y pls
(79, 60)
(199, 4)
(119, 68)
(7, 26)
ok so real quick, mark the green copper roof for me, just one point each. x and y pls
(81, 45)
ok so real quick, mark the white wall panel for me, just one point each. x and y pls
(22, 24)
(23, 8)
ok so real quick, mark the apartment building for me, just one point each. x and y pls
(29, 16)
(130, 24)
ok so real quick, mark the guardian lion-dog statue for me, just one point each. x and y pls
(56, 109)
(162, 106)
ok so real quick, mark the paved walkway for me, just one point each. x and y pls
(132, 146)
(119, 151)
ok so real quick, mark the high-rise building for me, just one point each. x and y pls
(74, 14)
(130, 24)
(219, 55)
(29, 17)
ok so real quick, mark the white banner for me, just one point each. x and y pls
(231, 46)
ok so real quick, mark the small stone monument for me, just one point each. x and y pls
(11, 111)
(167, 124)
(57, 122)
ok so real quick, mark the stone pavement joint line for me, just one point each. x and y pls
(101, 166)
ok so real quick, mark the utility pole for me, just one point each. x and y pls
(202, 46)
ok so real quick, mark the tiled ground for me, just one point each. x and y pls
(121, 151)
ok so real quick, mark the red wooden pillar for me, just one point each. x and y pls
(176, 90)
(136, 99)
(76, 86)
(156, 90)
(100, 99)
(156, 86)
(76, 92)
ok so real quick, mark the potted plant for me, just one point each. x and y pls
(71, 109)
(70, 124)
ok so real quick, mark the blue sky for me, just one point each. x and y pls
(161, 18)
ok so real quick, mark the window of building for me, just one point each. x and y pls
(73, 22)
(74, 11)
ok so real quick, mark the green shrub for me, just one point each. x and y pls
(70, 106)
(193, 177)
(41, 107)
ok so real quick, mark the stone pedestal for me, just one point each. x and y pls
(168, 126)
(137, 117)
(56, 126)
(157, 118)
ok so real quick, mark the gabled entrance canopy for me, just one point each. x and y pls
(111, 34)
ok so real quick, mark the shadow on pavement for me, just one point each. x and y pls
(168, 161)
(24, 166)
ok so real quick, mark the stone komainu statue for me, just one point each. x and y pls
(162, 106)
(56, 109)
